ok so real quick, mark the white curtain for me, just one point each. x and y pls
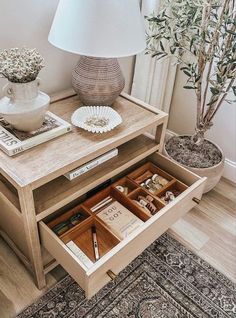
(153, 80)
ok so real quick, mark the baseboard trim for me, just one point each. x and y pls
(230, 170)
(170, 133)
(230, 166)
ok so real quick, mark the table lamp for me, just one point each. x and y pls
(101, 31)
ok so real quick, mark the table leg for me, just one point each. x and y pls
(31, 233)
(160, 134)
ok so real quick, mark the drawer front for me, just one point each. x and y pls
(93, 279)
(62, 254)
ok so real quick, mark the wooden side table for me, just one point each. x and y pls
(33, 188)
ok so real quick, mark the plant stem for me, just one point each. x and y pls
(211, 53)
(222, 99)
(214, 108)
(201, 62)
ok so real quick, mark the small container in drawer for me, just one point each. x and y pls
(151, 178)
(82, 236)
(172, 191)
(69, 220)
(148, 203)
(125, 185)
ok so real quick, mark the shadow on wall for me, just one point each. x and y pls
(28, 24)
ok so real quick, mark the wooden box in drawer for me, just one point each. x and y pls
(145, 196)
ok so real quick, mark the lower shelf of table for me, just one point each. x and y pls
(59, 192)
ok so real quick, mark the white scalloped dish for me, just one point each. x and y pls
(96, 119)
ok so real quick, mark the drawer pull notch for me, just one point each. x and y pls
(111, 274)
(196, 200)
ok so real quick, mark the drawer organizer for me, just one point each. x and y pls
(145, 191)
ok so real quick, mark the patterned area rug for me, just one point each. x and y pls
(165, 281)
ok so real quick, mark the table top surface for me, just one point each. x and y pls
(53, 158)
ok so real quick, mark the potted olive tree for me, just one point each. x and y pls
(200, 35)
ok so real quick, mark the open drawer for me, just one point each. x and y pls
(123, 251)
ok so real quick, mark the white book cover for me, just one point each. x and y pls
(91, 164)
(119, 219)
(80, 254)
(13, 141)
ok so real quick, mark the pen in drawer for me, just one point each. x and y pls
(95, 243)
(101, 204)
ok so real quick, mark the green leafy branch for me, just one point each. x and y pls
(201, 36)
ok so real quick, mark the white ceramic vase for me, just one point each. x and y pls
(23, 105)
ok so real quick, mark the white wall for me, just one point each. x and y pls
(27, 23)
(182, 120)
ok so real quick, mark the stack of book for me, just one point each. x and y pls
(13, 141)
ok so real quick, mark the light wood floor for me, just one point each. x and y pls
(209, 230)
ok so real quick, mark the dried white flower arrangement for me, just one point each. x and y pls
(20, 65)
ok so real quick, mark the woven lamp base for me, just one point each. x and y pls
(98, 81)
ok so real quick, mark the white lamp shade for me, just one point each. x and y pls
(99, 28)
